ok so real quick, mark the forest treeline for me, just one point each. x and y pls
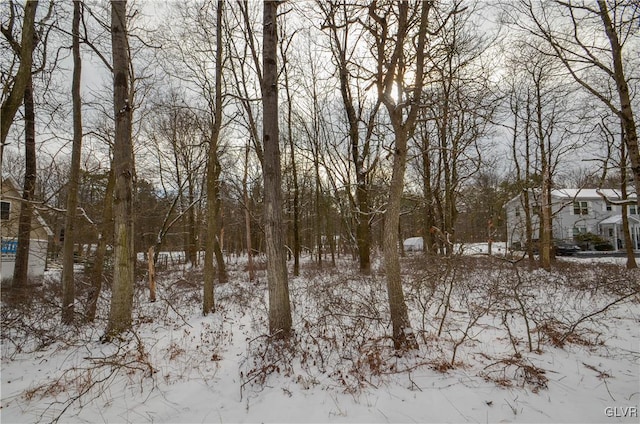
(322, 128)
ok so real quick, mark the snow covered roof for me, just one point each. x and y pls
(617, 219)
(582, 194)
(589, 193)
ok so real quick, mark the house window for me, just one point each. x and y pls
(5, 210)
(579, 230)
(517, 211)
(609, 207)
(580, 208)
(633, 210)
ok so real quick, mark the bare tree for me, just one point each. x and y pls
(34, 34)
(521, 154)
(285, 44)
(68, 283)
(340, 20)
(213, 173)
(105, 237)
(622, 164)
(392, 28)
(176, 130)
(459, 105)
(279, 304)
(247, 73)
(590, 41)
(23, 52)
(124, 253)
(21, 268)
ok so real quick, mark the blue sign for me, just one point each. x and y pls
(9, 247)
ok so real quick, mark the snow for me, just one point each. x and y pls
(178, 366)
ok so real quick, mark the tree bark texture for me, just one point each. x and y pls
(23, 76)
(124, 253)
(403, 336)
(279, 306)
(403, 123)
(628, 240)
(105, 236)
(68, 283)
(21, 269)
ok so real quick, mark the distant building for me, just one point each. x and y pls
(575, 212)
(10, 204)
(413, 244)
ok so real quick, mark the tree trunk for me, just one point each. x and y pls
(545, 218)
(626, 112)
(21, 269)
(363, 230)
(213, 172)
(527, 176)
(318, 202)
(23, 76)
(247, 214)
(104, 238)
(152, 275)
(403, 337)
(124, 253)
(294, 170)
(545, 203)
(68, 283)
(219, 242)
(628, 240)
(279, 305)
(208, 300)
(192, 237)
(428, 243)
(361, 208)
(403, 121)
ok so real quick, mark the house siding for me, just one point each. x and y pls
(566, 220)
(39, 237)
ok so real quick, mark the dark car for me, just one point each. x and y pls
(565, 248)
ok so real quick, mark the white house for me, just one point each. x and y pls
(575, 211)
(10, 203)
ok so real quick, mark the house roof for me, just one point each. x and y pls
(613, 195)
(617, 219)
(589, 193)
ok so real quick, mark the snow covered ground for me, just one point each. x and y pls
(498, 343)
